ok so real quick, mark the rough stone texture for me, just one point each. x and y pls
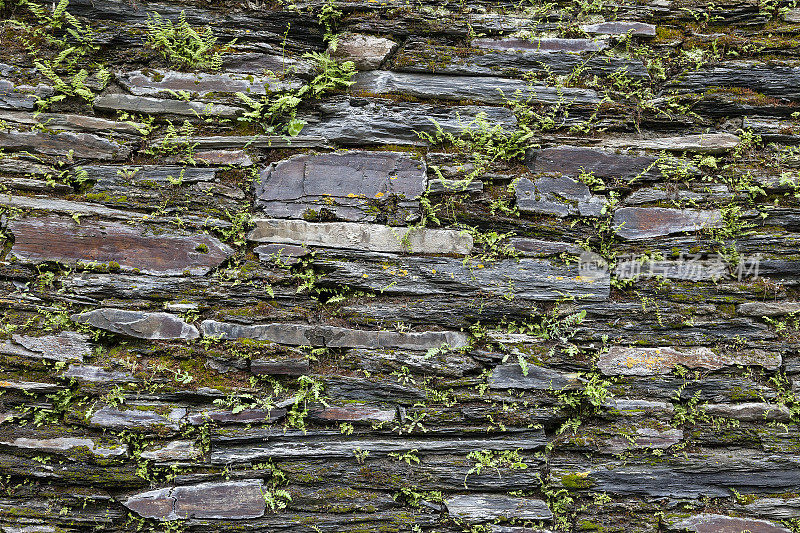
(367, 52)
(489, 507)
(64, 346)
(157, 106)
(620, 27)
(80, 145)
(637, 223)
(372, 237)
(235, 500)
(123, 246)
(619, 360)
(560, 196)
(572, 160)
(302, 184)
(154, 326)
(714, 523)
(707, 143)
(153, 83)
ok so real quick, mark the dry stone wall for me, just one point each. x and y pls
(344, 265)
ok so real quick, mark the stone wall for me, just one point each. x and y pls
(399, 266)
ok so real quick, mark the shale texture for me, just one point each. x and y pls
(432, 266)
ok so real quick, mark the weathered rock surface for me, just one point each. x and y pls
(560, 196)
(620, 27)
(619, 360)
(707, 143)
(154, 83)
(64, 346)
(488, 507)
(295, 187)
(353, 236)
(532, 378)
(158, 106)
(232, 500)
(153, 326)
(367, 52)
(776, 80)
(714, 523)
(136, 419)
(333, 337)
(80, 145)
(635, 223)
(120, 245)
(604, 164)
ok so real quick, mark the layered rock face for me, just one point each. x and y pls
(327, 266)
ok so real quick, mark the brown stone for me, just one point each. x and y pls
(61, 239)
(231, 500)
(714, 523)
(646, 222)
(353, 413)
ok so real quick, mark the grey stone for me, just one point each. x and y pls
(512, 376)
(759, 309)
(776, 508)
(97, 374)
(353, 412)
(560, 196)
(302, 184)
(546, 44)
(621, 27)
(640, 361)
(791, 15)
(228, 500)
(136, 419)
(177, 450)
(285, 254)
(706, 143)
(776, 79)
(33, 387)
(155, 82)
(354, 236)
(715, 523)
(750, 411)
(537, 247)
(57, 122)
(67, 445)
(53, 238)
(80, 145)
(64, 346)
(157, 106)
(246, 416)
(483, 89)
(634, 223)
(571, 161)
(367, 52)
(21, 96)
(153, 326)
(335, 337)
(482, 508)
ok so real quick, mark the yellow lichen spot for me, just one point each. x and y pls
(480, 265)
(366, 275)
(433, 271)
(378, 194)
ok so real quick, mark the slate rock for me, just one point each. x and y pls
(483, 89)
(157, 106)
(63, 121)
(621, 27)
(546, 44)
(303, 184)
(791, 15)
(759, 309)
(282, 365)
(141, 325)
(482, 508)
(353, 412)
(367, 52)
(775, 508)
(640, 361)
(65, 445)
(605, 164)
(714, 523)
(21, 96)
(228, 500)
(63, 346)
(559, 196)
(750, 411)
(135, 419)
(54, 238)
(177, 450)
(155, 82)
(355, 236)
(81, 145)
(635, 223)
(335, 337)
(246, 416)
(512, 376)
(97, 374)
(705, 143)
(349, 121)
(285, 254)
(776, 79)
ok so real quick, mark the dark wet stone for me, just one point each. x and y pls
(605, 164)
(129, 247)
(640, 361)
(512, 376)
(482, 508)
(714, 523)
(537, 247)
(646, 222)
(779, 80)
(484, 89)
(156, 106)
(302, 184)
(283, 365)
(560, 196)
(621, 27)
(64, 346)
(153, 326)
(81, 145)
(335, 337)
(355, 236)
(227, 500)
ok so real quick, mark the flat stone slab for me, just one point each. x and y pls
(774, 78)
(635, 223)
(335, 337)
(246, 416)
(750, 411)
(158, 106)
(136, 419)
(511, 376)
(61, 239)
(177, 450)
(759, 309)
(345, 184)
(97, 374)
(360, 413)
(367, 52)
(619, 360)
(63, 121)
(545, 44)
(82, 145)
(66, 445)
(21, 96)
(64, 346)
(485, 89)
(556, 195)
(152, 326)
(355, 236)
(155, 82)
(231, 500)
(482, 508)
(714, 523)
(706, 143)
(621, 27)
(572, 160)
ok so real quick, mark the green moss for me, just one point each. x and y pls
(577, 480)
